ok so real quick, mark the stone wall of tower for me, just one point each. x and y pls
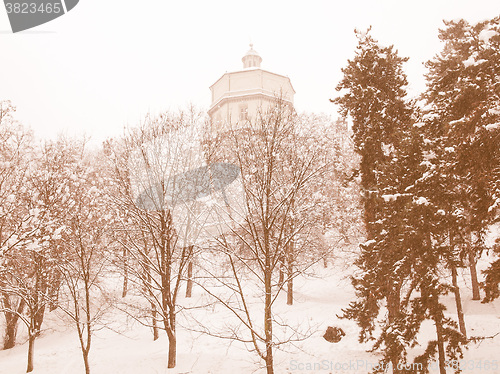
(238, 96)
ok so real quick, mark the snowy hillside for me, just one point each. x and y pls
(124, 346)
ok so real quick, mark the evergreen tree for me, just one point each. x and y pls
(373, 94)
(463, 112)
(402, 260)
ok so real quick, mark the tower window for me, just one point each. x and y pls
(243, 112)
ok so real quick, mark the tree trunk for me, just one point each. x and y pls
(85, 345)
(289, 269)
(458, 301)
(437, 316)
(289, 292)
(10, 330)
(289, 289)
(440, 345)
(393, 309)
(10, 334)
(473, 276)
(281, 279)
(31, 351)
(268, 319)
(155, 326)
(269, 361)
(189, 284)
(154, 314)
(86, 361)
(172, 350)
(148, 288)
(36, 318)
(125, 272)
(167, 298)
(11, 322)
(172, 338)
(269, 339)
(54, 294)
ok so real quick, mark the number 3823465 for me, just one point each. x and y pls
(32, 8)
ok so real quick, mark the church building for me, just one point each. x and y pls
(238, 96)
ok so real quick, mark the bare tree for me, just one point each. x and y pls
(31, 273)
(29, 231)
(87, 241)
(15, 153)
(154, 169)
(278, 163)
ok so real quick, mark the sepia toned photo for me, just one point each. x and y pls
(226, 187)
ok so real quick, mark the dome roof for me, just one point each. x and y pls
(251, 58)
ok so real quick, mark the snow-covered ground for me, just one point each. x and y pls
(128, 347)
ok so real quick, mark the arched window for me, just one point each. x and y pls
(243, 112)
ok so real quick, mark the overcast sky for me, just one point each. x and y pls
(106, 64)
